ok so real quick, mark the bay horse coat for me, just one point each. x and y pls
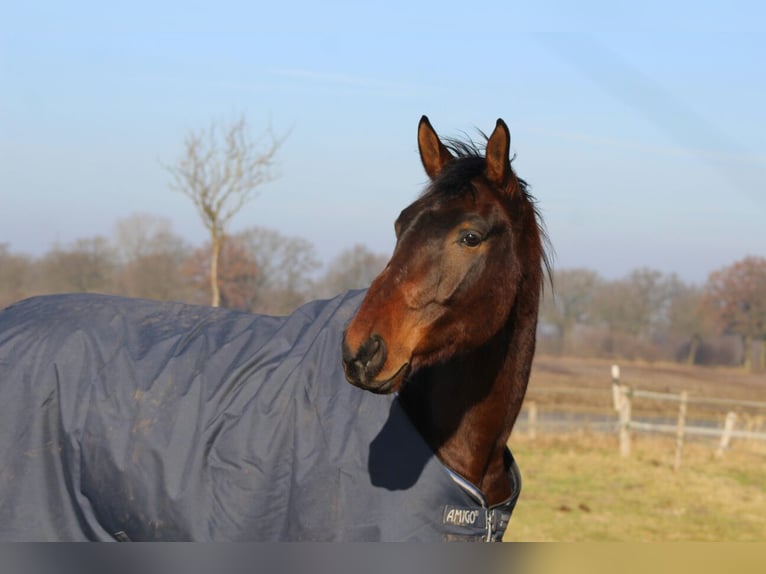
(127, 419)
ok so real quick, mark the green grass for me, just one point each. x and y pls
(576, 487)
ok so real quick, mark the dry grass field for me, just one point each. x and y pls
(576, 487)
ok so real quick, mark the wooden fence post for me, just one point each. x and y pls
(621, 399)
(616, 399)
(728, 427)
(680, 429)
(625, 414)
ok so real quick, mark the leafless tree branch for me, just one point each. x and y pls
(221, 170)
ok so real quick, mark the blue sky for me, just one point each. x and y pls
(640, 128)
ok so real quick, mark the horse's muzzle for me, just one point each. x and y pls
(362, 367)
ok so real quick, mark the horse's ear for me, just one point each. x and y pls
(498, 148)
(433, 153)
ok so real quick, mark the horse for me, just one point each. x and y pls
(126, 419)
(450, 323)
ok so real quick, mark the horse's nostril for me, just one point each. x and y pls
(368, 361)
(375, 355)
(373, 352)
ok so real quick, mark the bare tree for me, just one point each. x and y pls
(261, 270)
(220, 170)
(634, 311)
(736, 294)
(151, 256)
(237, 274)
(571, 303)
(354, 268)
(142, 233)
(16, 273)
(687, 321)
(285, 265)
(87, 265)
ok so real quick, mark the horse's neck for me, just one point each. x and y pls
(465, 409)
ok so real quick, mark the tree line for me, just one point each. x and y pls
(645, 315)
(260, 269)
(654, 316)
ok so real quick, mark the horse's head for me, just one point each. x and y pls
(463, 251)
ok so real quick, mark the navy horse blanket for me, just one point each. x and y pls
(127, 419)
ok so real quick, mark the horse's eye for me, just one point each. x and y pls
(471, 239)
